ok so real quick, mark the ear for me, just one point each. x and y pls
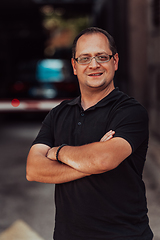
(74, 66)
(116, 60)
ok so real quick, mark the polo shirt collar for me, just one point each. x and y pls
(110, 97)
(75, 101)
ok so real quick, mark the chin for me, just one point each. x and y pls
(97, 85)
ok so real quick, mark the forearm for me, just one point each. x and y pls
(42, 169)
(94, 158)
(87, 158)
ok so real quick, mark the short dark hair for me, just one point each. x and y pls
(92, 30)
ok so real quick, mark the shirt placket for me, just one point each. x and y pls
(81, 119)
(79, 131)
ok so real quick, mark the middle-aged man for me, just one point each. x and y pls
(99, 190)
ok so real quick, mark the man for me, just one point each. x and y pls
(98, 173)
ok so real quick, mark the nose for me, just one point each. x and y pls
(94, 63)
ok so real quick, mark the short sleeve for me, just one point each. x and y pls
(46, 135)
(131, 123)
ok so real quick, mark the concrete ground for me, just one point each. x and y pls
(27, 210)
(152, 181)
(29, 202)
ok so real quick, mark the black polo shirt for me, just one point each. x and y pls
(111, 205)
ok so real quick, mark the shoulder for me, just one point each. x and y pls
(125, 104)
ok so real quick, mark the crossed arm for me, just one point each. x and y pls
(78, 161)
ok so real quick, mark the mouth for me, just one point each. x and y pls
(94, 74)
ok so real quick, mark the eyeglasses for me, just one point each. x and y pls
(99, 59)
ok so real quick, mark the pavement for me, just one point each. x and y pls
(153, 160)
(29, 203)
(19, 230)
(152, 181)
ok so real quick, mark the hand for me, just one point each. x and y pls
(51, 154)
(107, 136)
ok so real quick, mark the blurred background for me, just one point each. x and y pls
(36, 74)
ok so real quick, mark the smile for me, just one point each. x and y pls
(95, 74)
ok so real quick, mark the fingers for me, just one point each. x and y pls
(52, 153)
(107, 136)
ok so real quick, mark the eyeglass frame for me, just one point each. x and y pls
(110, 56)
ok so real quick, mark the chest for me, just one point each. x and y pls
(76, 127)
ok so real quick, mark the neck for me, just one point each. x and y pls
(92, 98)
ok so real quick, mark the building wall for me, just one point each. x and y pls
(154, 65)
(137, 41)
(144, 57)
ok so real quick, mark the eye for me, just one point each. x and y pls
(84, 59)
(103, 58)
